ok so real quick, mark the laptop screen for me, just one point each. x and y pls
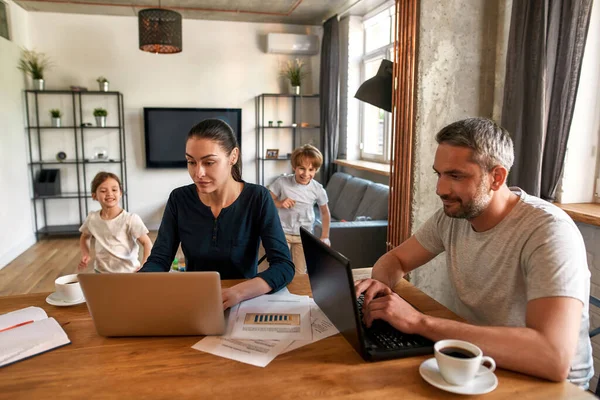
(332, 287)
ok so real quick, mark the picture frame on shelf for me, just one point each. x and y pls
(4, 23)
(272, 154)
(100, 154)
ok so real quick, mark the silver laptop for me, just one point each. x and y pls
(155, 303)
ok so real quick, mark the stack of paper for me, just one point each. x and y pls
(260, 329)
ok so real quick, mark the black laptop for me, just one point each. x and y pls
(332, 287)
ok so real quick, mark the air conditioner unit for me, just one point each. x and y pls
(289, 43)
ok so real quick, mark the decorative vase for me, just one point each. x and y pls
(56, 122)
(38, 84)
(101, 122)
(103, 86)
(296, 90)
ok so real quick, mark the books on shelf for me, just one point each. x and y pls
(28, 332)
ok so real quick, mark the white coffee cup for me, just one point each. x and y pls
(459, 361)
(68, 288)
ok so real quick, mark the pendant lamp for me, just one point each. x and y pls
(160, 31)
(377, 91)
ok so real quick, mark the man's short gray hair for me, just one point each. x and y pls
(491, 143)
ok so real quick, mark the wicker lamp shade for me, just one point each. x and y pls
(160, 31)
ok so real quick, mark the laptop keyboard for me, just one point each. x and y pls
(388, 337)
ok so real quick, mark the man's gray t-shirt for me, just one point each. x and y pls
(305, 196)
(535, 251)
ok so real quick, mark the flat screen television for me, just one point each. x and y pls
(166, 129)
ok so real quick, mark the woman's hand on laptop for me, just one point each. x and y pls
(395, 310)
(230, 297)
(244, 291)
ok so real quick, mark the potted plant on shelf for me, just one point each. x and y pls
(102, 83)
(55, 114)
(293, 70)
(34, 64)
(100, 114)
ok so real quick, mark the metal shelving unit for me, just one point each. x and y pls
(79, 162)
(262, 127)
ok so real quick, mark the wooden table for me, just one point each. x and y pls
(167, 367)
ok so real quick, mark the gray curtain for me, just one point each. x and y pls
(543, 65)
(328, 89)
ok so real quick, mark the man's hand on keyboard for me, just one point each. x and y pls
(395, 310)
(371, 288)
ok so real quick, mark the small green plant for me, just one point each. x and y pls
(55, 113)
(100, 112)
(34, 63)
(292, 70)
(101, 79)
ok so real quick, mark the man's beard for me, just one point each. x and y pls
(474, 207)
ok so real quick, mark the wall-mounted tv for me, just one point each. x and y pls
(166, 129)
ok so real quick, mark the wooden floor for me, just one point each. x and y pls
(36, 269)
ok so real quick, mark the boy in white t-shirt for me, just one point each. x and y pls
(117, 232)
(298, 193)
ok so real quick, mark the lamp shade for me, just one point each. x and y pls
(378, 90)
(160, 31)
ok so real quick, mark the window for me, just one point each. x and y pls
(581, 175)
(376, 124)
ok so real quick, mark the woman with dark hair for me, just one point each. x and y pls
(220, 219)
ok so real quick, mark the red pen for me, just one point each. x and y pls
(16, 326)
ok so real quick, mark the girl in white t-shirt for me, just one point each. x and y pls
(117, 233)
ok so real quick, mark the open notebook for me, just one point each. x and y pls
(27, 332)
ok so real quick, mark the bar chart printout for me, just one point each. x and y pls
(281, 317)
(277, 319)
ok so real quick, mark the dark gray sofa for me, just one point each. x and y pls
(359, 218)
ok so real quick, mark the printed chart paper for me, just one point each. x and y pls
(279, 317)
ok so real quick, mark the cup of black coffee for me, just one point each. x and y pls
(459, 361)
(68, 288)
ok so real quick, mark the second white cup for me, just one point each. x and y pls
(459, 361)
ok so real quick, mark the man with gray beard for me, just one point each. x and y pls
(516, 262)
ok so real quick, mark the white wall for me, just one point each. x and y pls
(223, 64)
(16, 232)
(577, 185)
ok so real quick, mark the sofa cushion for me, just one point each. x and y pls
(349, 198)
(374, 203)
(335, 185)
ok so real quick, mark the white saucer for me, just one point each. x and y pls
(55, 301)
(484, 383)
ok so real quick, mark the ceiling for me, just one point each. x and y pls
(300, 12)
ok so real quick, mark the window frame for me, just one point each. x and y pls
(383, 52)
